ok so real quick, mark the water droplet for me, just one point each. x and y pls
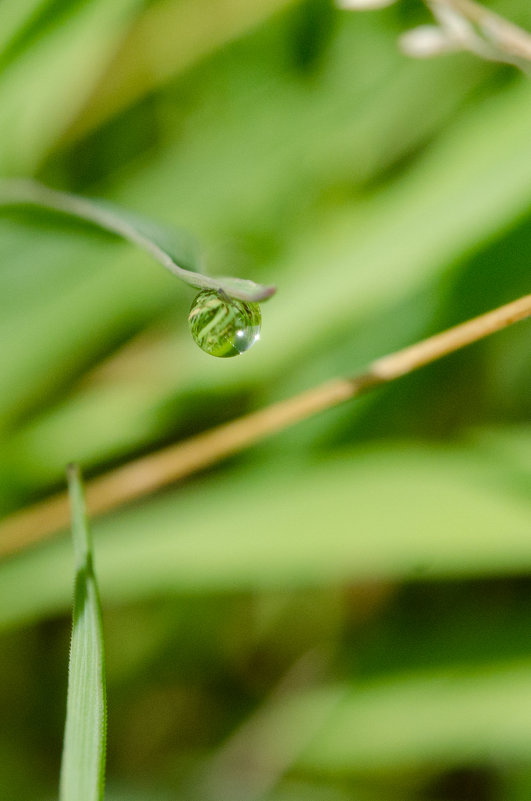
(224, 326)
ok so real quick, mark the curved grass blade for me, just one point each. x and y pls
(83, 763)
(169, 247)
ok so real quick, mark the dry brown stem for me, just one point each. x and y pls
(162, 468)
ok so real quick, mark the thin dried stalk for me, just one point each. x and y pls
(461, 25)
(510, 38)
(158, 470)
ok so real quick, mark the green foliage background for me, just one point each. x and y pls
(343, 612)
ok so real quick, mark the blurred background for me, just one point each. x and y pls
(343, 612)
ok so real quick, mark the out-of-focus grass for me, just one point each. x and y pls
(387, 199)
(273, 536)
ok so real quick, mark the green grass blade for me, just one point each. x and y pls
(171, 248)
(83, 764)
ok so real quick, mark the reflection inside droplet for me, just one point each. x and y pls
(224, 326)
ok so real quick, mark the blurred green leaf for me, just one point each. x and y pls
(453, 717)
(399, 512)
(199, 29)
(15, 17)
(43, 88)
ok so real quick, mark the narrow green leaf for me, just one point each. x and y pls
(83, 764)
(169, 247)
